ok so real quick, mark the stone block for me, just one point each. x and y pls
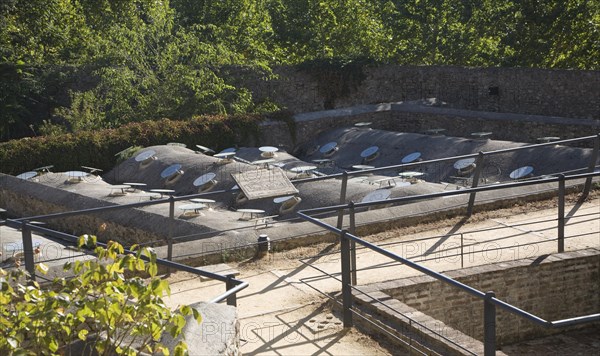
(217, 334)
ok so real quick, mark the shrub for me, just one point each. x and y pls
(98, 148)
(106, 305)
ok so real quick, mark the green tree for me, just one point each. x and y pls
(243, 26)
(310, 29)
(149, 59)
(42, 31)
(106, 304)
(564, 34)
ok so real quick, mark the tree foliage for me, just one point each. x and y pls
(558, 33)
(147, 59)
(106, 305)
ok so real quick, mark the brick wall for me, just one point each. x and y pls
(556, 287)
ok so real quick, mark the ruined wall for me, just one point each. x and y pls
(558, 286)
(565, 93)
(418, 118)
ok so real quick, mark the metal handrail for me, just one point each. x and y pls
(489, 298)
(500, 186)
(230, 292)
(237, 284)
(473, 291)
(446, 159)
(330, 275)
(118, 207)
(558, 323)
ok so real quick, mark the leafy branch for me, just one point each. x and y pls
(107, 306)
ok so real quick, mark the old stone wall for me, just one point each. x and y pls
(24, 198)
(418, 118)
(552, 287)
(508, 127)
(564, 93)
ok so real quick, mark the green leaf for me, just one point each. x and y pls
(53, 345)
(197, 315)
(82, 334)
(42, 268)
(5, 286)
(66, 329)
(67, 266)
(164, 350)
(4, 299)
(180, 349)
(152, 269)
(186, 310)
(140, 266)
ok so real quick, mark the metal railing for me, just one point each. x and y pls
(348, 257)
(232, 285)
(412, 341)
(480, 163)
(170, 239)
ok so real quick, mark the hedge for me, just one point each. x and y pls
(99, 148)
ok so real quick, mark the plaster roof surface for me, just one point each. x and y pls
(94, 191)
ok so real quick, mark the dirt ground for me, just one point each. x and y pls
(284, 311)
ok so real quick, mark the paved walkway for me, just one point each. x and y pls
(281, 313)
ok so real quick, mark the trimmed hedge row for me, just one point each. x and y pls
(98, 148)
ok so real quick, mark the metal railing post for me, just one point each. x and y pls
(28, 250)
(561, 213)
(476, 175)
(170, 231)
(592, 165)
(489, 325)
(352, 243)
(340, 220)
(462, 253)
(229, 283)
(346, 287)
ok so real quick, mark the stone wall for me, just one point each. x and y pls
(418, 117)
(24, 198)
(509, 127)
(564, 93)
(553, 287)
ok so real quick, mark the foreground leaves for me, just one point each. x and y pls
(107, 303)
